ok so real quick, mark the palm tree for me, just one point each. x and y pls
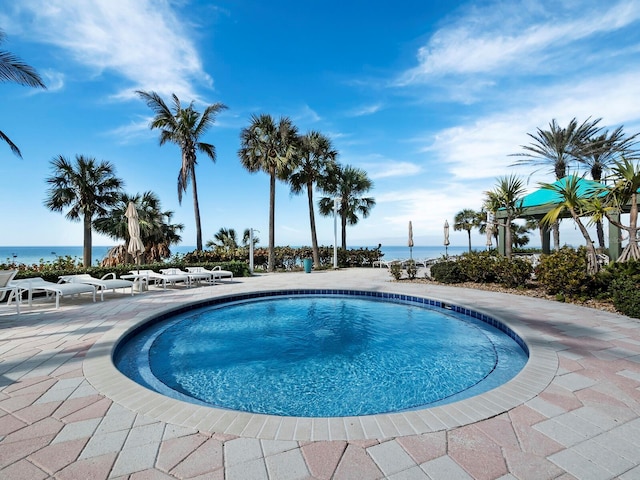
(507, 194)
(599, 153)
(577, 205)
(347, 184)
(226, 238)
(272, 148)
(246, 238)
(184, 127)
(317, 158)
(12, 69)
(88, 188)
(157, 232)
(466, 219)
(557, 148)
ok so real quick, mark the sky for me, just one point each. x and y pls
(431, 99)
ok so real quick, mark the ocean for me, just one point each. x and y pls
(31, 255)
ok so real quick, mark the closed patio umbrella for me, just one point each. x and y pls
(135, 247)
(410, 241)
(446, 238)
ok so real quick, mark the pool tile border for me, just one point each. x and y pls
(534, 377)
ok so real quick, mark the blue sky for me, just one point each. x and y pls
(430, 98)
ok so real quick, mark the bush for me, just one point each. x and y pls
(412, 270)
(479, 267)
(395, 270)
(447, 271)
(513, 273)
(625, 292)
(565, 272)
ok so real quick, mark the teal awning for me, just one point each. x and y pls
(586, 188)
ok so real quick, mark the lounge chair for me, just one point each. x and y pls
(162, 278)
(104, 283)
(213, 274)
(6, 276)
(38, 284)
(192, 276)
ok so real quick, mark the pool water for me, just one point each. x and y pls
(316, 356)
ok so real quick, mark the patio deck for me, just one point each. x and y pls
(60, 418)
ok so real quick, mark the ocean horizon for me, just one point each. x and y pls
(29, 255)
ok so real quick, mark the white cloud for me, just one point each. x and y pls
(365, 110)
(141, 40)
(390, 168)
(516, 38)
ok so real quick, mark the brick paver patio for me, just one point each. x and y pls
(55, 423)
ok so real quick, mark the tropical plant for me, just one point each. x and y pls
(12, 69)
(577, 204)
(226, 238)
(466, 219)
(246, 238)
(347, 184)
(157, 232)
(599, 153)
(626, 177)
(184, 127)
(557, 148)
(88, 188)
(272, 148)
(506, 195)
(316, 161)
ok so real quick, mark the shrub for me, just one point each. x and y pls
(513, 273)
(565, 272)
(625, 292)
(447, 271)
(479, 267)
(412, 270)
(395, 270)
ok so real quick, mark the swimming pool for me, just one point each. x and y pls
(346, 355)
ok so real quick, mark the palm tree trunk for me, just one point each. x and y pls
(632, 251)
(272, 219)
(196, 210)
(469, 235)
(600, 233)
(312, 221)
(343, 220)
(556, 235)
(86, 251)
(592, 257)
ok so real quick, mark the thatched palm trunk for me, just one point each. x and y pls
(196, 211)
(87, 246)
(312, 221)
(272, 220)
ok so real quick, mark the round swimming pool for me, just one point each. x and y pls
(321, 355)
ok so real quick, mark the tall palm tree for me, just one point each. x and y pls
(347, 184)
(599, 153)
(157, 232)
(12, 69)
(507, 194)
(184, 127)
(557, 148)
(88, 188)
(316, 160)
(466, 219)
(272, 148)
(577, 205)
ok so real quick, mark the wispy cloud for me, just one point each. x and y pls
(364, 110)
(389, 168)
(142, 41)
(516, 38)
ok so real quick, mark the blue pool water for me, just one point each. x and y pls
(320, 356)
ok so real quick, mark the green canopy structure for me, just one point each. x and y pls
(538, 203)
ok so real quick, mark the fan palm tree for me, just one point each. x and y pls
(557, 148)
(466, 219)
(272, 148)
(184, 127)
(12, 69)
(226, 238)
(577, 205)
(507, 194)
(598, 154)
(88, 188)
(316, 160)
(157, 232)
(347, 184)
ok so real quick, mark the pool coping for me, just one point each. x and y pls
(106, 379)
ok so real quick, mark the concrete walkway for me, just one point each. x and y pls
(58, 419)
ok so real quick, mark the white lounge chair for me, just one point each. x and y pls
(194, 277)
(38, 284)
(6, 276)
(104, 283)
(222, 273)
(215, 274)
(162, 278)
